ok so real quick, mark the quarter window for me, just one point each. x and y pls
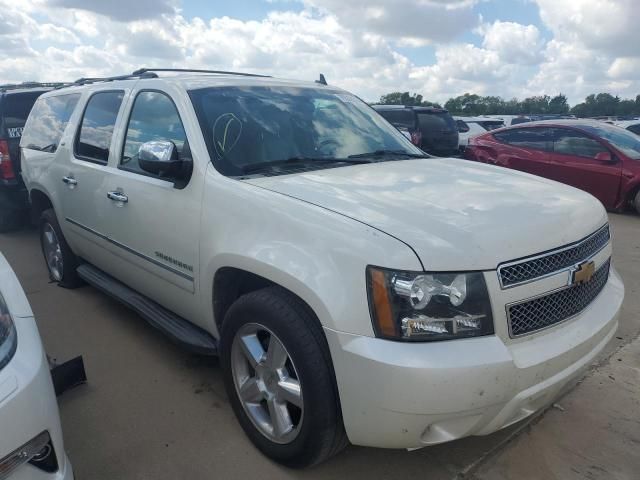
(47, 122)
(153, 117)
(535, 138)
(94, 140)
(570, 142)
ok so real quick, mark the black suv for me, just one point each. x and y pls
(15, 104)
(432, 129)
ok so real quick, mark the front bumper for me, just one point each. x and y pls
(409, 395)
(28, 404)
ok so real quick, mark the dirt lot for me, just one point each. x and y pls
(152, 411)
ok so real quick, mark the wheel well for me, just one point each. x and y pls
(230, 284)
(39, 203)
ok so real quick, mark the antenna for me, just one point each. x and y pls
(322, 80)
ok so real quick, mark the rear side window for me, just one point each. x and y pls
(535, 138)
(153, 117)
(570, 142)
(634, 128)
(436, 122)
(47, 122)
(399, 118)
(99, 119)
(517, 121)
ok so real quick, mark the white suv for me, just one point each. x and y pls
(31, 446)
(353, 286)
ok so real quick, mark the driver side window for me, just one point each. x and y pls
(153, 117)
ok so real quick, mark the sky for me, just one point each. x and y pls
(438, 48)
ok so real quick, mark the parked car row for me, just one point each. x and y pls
(593, 156)
(355, 288)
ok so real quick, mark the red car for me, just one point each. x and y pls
(599, 158)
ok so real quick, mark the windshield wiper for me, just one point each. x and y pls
(293, 161)
(389, 153)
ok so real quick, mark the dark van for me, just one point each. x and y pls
(432, 129)
(15, 104)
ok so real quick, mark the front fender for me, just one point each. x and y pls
(319, 255)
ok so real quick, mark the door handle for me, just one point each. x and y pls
(69, 180)
(117, 197)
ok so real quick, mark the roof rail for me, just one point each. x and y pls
(89, 80)
(142, 71)
(17, 86)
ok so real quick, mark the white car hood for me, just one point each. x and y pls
(456, 214)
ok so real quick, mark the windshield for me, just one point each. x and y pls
(248, 128)
(623, 140)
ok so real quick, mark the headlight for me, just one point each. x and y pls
(8, 339)
(413, 306)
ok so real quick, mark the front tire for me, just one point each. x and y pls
(60, 260)
(279, 378)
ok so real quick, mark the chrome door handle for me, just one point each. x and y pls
(117, 197)
(70, 181)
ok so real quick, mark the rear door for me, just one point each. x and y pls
(524, 149)
(573, 162)
(82, 174)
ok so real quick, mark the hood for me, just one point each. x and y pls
(456, 214)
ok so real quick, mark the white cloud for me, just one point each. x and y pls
(513, 42)
(121, 10)
(429, 20)
(356, 44)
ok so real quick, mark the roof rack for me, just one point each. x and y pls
(24, 85)
(89, 80)
(142, 71)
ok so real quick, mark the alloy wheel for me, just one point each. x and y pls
(267, 383)
(52, 252)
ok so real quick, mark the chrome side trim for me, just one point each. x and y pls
(131, 250)
(548, 253)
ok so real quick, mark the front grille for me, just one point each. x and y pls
(528, 269)
(542, 312)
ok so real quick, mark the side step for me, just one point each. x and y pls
(177, 328)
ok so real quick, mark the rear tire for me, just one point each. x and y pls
(636, 201)
(312, 430)
(60, 260)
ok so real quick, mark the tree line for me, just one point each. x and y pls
(595, 105)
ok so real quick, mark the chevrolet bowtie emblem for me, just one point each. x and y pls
(583, 273)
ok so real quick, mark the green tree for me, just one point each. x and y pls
(405, 98)
(558, 104)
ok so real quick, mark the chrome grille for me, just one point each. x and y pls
(529, 269)
(542, 312)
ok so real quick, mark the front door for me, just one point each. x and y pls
(153, 227)
(573, 162)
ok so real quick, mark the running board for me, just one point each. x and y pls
(176, 328)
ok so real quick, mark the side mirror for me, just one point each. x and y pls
(605, 157)
(160, 158)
